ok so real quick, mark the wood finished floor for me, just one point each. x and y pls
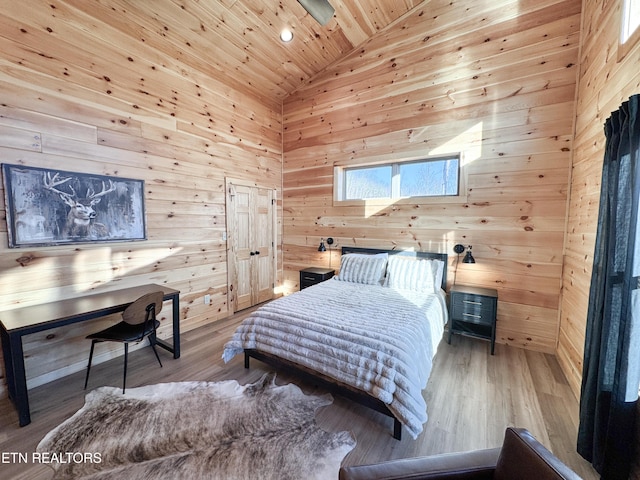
(471, 398)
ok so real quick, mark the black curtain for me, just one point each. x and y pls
(611, 369)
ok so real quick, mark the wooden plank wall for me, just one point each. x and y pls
(87, 90)
(604, 83)
(494, 80)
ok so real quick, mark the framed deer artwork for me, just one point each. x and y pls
(55, 207)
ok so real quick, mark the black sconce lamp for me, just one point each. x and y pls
(321, 247)
(468, 258)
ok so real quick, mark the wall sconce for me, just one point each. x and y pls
(321, 247)
(468, 258)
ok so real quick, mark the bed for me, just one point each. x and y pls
(369, 334)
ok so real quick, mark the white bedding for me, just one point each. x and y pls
(377, 339)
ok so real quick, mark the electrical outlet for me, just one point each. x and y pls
(224, 236)
(207, 299)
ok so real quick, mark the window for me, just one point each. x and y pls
(629, 23)
(630, 19)
(421, 178)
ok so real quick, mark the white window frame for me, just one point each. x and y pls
(339, 184)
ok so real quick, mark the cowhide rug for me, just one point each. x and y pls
(194, 430)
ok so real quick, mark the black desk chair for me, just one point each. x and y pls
(138, 322)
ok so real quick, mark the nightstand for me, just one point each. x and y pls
(312, 275)
(472, 311)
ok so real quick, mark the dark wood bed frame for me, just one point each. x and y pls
(328, 383)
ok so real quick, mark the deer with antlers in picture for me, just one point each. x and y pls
(80, 219)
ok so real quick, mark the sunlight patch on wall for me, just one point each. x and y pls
(111, 266)
(85, 270)
(467, 144)
(449, 240)
(374, 207)
(284, 289)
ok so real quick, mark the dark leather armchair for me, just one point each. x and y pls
(521, 457)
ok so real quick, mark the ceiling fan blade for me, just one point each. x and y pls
(321, 10)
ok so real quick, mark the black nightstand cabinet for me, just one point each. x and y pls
(312, 275)
(472, 311)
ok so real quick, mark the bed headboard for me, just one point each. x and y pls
(431, 255)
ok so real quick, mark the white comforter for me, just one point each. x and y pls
(373, 338)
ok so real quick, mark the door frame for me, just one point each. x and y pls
(232, 276)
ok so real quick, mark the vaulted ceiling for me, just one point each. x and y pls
(239, 39)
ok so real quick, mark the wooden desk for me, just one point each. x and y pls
(14, 324)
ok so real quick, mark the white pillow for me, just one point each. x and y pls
(439, 273)
(362, 268)
(409, 273)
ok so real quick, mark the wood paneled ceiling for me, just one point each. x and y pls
(238, 40)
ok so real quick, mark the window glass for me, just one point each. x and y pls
(630, 19)
(429, 178)
(369, 182)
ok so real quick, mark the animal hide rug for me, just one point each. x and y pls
(197, 430)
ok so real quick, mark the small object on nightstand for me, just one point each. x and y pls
(473, 312)
(312, 275)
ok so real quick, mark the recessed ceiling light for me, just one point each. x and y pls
(286, 35)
